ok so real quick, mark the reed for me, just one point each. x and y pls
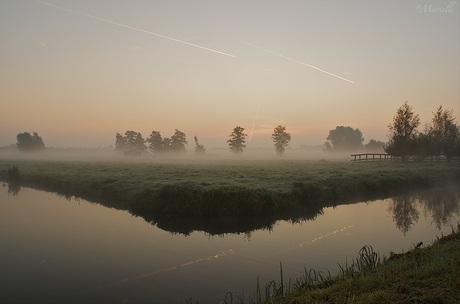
(13, 174)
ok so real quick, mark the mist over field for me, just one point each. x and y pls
(108, 154)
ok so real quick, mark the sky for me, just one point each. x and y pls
(78, 72)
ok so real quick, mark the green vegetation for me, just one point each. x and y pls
(29, 143)
(281, 139)
(13, 175)
(240, 187)
(237, 140)
(344, 139)
(421, 275)
(441, 137)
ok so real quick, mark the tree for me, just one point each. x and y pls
(403, 132)
(29, 143)
(131, 141)
(178, 141)
(444, 132)
(374, 146)
(281, 139)
(120, 143)
(344, 139)
(135, 141)
(237, 140)
(156, 143)
(199, 149)
(424, 145)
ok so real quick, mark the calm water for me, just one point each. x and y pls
(56, 250)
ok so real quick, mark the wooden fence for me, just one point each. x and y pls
(387, 157)
(372, 157)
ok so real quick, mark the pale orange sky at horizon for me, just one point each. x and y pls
(78, 72)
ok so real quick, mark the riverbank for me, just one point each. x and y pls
(222, 188)
(428, 274)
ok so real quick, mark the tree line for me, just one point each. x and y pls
(345, 139)
(440, 137)
(133, 143)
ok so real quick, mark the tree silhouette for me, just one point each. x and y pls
(374, 146)
(200, 149)
(237, 140)
(281, 139)
(178, 141)
(344, 139)
(156, 143)
(403, 132)
(131, 141)
(120, 143)
(29, 143)
(444, 133)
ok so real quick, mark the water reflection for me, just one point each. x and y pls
(13, 188)
(228, 224)
(442, 203)
(404, 211)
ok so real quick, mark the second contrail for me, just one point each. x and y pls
(296, 61)
(136, 29)
(308, 65)
(253, 123)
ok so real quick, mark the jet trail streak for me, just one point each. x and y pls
(297, 61)
(308, 65)
(136, 29)
(253, 123)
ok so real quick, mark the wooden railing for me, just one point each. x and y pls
(387, 157)
(372, 157)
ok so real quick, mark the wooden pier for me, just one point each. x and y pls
(372, 157)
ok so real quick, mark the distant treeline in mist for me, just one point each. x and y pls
(132, 143)
(439, 138)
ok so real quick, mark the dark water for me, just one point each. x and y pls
(55, 250)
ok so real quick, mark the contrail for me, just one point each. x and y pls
(308, 65)
(41, 43)
(297, 61)
(154, 273)
(136, 29)
(253, 123)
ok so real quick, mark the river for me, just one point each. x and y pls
(60, 250)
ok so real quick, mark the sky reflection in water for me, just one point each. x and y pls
(55, 249)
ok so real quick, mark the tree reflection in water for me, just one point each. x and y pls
(440, 202)
(13, 188)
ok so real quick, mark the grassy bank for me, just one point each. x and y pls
(422, 275)
(213, 188)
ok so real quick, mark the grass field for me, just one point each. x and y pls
(227, 187)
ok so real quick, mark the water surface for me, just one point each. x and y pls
(57, 250)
